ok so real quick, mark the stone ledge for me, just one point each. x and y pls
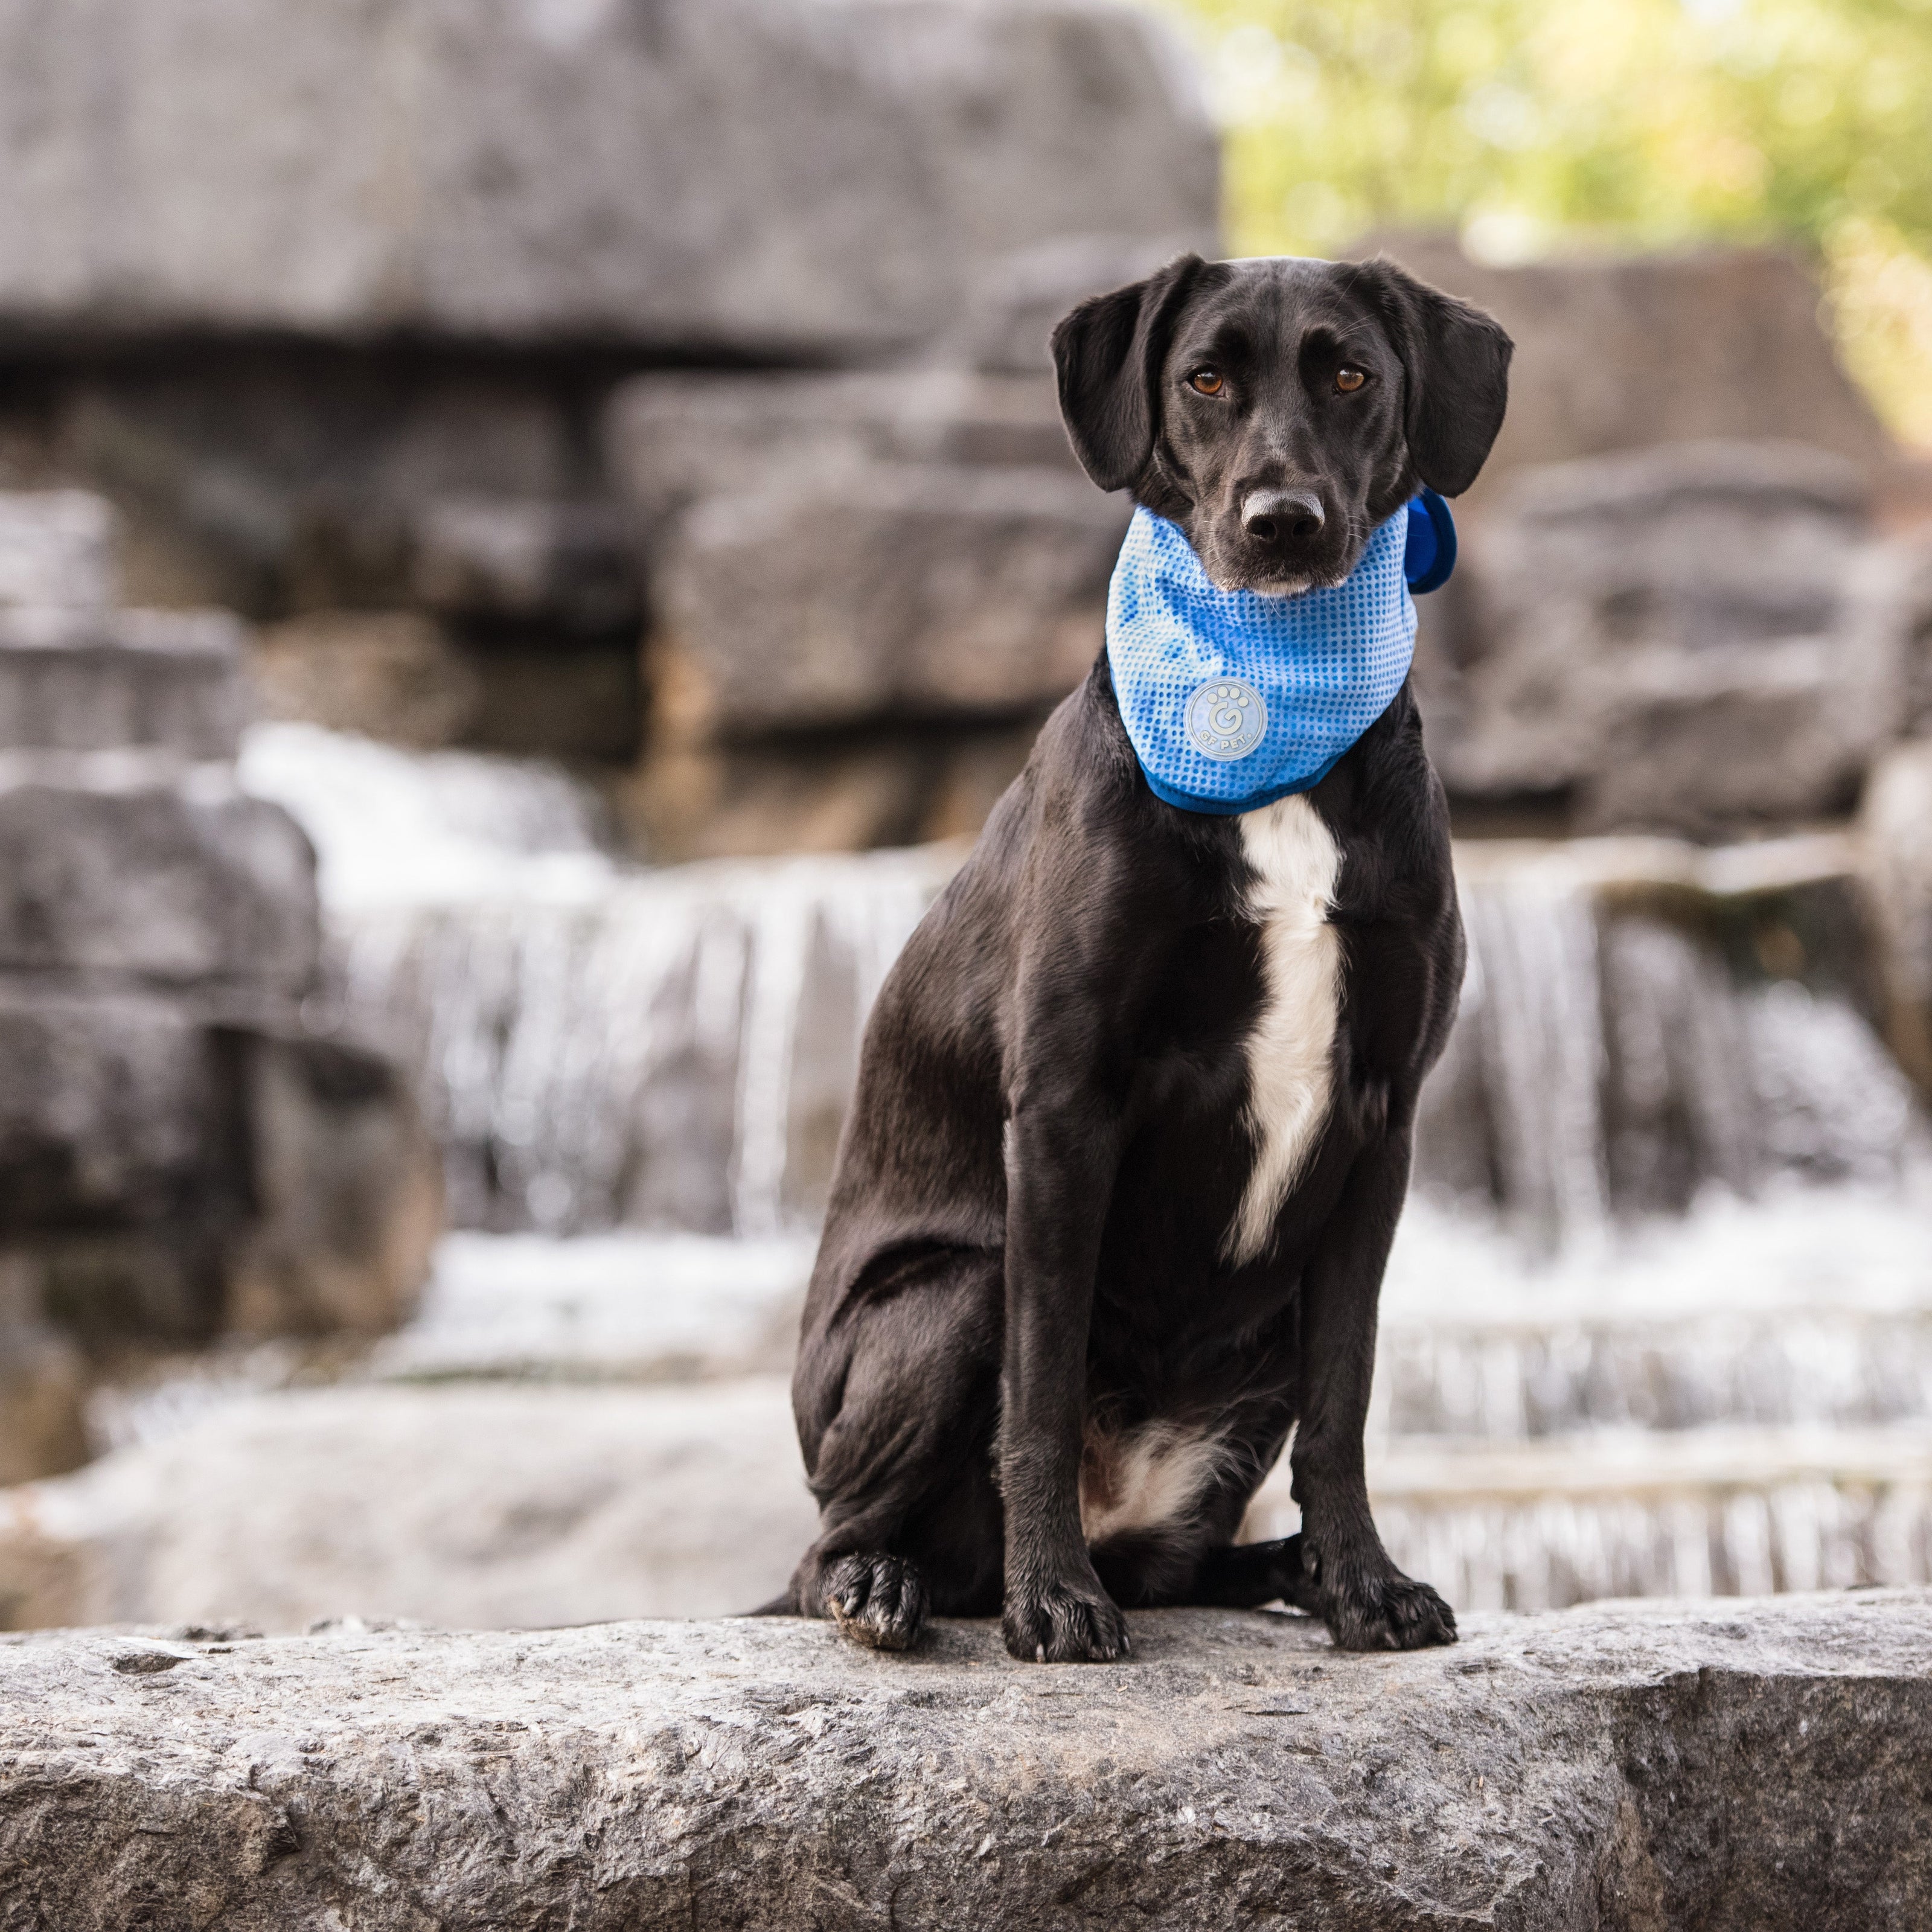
(1754, 1763)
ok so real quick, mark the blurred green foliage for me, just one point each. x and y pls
(1533, 127)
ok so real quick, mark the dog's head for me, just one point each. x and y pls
(1278, 409)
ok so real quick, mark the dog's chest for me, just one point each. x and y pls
(1290, 1049)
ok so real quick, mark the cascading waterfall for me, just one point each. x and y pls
(597, 1046)
(1605, 1065)
(1629, 1344)
(674, 1053)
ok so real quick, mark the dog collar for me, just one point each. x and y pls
(1233, 699)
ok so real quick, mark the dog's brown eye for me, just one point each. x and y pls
(1207, 382)
(1348, 380)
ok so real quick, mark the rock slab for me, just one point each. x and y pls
(1693, 637)
(1762, 1766)
(764, 175)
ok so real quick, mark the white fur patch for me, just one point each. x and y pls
(1148, 1478)
(1291, 1066)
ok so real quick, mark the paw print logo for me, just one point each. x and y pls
(1225, 718)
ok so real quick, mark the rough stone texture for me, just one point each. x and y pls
(834, 559)
(56, 551)
(1897, 825)
(170, 1143)
(1763, 1766)
(110, 865)
(1013, 309)
(280, 480)
(345, 1189)
(111, 1110)
(162, 1177)
(740, 173)
(674, 439)
(934, 591)
(478, 1504)
(1695, 636)
(88, 682)
(1621, 353)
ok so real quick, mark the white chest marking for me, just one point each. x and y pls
(1291, 1066)
(1147, 1481)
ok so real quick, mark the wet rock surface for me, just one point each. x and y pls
(1760, 1765)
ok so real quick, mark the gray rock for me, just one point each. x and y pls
(1897, 827)
(345, 1187)
(112, 1111)
(1015, 306)
(119, 1189)
(674, 439)
(503, 560)
(93, 681)
(834, 550)
(1620, 352)
(111, 862)
(161, 1177)
(56, 551)
(1680, 639)
(278, 482)
(740, 173)
(1760, 1766)
(935, 591)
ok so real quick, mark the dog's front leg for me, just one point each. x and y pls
(1346, 1577)
(1059, 1162)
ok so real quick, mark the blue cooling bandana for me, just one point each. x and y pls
(1233, 700)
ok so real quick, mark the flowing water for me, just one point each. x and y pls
(1659, 1319)
(597, 1046)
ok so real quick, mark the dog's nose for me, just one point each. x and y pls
(1270, 515)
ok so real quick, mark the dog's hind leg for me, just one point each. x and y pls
(1244, 1576)
(897, 1403)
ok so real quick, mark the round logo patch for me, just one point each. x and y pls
(1225, 718)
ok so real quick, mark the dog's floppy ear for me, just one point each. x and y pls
(1455, 363)
(1107, 355)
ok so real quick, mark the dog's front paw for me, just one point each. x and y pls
(1390, 1611)
(877, 1600)
(1066, 1623)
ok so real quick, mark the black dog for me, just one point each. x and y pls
(1135, 1109)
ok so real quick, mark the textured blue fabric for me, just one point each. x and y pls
(1233, 699)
